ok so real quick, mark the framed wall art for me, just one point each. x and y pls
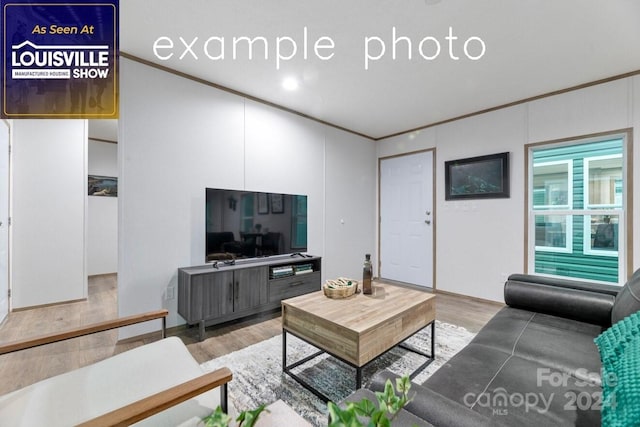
(102, 186)
(483, 177)
(277, 203)
(263, 203)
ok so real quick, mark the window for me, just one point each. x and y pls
(299, 214)
(553, 192)
(603, 191)
(577, 209)
(247, 209)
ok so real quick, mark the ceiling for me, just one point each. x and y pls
(531, 48)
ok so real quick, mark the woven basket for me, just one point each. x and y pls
(341, 292)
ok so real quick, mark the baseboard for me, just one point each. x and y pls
(52, 304)
(150, 336)
(103, 275)
(405, 284)
(469, 297)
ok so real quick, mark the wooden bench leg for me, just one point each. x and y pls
(224, 402)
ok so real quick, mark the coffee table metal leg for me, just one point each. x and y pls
(433, 340)
(430, 357)
(287, 368)
(284, 350)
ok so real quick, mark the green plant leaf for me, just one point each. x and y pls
(365, 407)
(343, 417)
(250, 417)
(389, 402)
(379, 419)
(217, 419)
(403, 384)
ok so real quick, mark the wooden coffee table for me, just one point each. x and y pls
(359, 328)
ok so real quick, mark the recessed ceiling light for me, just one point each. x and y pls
(290, 83)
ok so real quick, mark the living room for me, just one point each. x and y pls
(178, 136)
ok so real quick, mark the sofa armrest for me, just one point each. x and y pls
(92, 328)
(566, 283)
(585, 302)
(165, 399)
(435, 408)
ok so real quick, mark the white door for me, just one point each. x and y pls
(406, 219)
(4, 220)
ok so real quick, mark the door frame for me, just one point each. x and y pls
(10, 188)
(434, 218)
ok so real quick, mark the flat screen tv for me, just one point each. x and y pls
(249, 224)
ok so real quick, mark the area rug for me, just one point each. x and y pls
(258, 376)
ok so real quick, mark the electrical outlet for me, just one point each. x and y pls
(171, 292)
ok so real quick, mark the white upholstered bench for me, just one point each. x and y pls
(157, 384)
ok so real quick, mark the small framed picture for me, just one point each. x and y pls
(263, 203)
(277, 203)
(102, 186)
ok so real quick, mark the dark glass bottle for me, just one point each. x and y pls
(367, 274)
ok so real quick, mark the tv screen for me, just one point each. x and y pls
(248, 224)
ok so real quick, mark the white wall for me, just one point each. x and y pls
(284, 153)
(479, 241)
(350, 216)
(49, 181)
(177, 137)
(102, 217)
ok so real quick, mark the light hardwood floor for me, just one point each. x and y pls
(20, 369)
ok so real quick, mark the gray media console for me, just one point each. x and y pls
(209, 295)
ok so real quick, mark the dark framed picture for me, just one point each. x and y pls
(483, 177)
(263, 203)
(277, 203)
(102, 186)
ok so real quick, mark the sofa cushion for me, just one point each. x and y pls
(469, 371)
(628, 299)
(524, 392)
(512, 390)
(562, 344)
(434, 407)
(620, 351)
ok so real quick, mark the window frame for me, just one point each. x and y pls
(625, 230)
(599, 209)
(545, 209)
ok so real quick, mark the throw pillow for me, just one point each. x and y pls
(619, 348)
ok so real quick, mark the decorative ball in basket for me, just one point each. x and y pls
(340, 287)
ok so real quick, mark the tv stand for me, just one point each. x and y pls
(212, 294)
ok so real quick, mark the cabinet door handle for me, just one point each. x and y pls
(235, 291)
(301, 282)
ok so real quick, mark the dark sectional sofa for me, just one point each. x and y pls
(534, 363)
